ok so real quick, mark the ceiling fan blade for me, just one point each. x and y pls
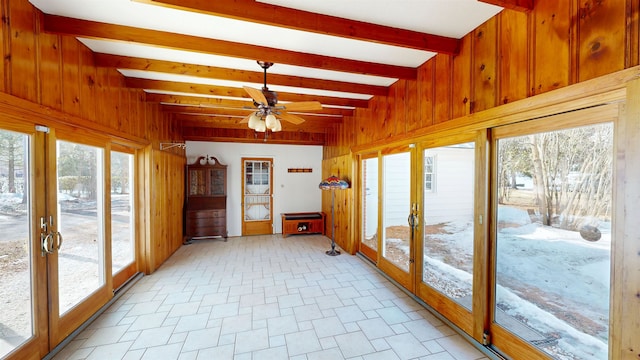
(246, 119)
(256, 95)
(302, 106)
(294, 119)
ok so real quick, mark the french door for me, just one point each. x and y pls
(451, 199)
(386, 208)
(56, 248)
(514, 234)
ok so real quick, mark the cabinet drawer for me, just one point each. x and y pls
(205, 214)
(208, 231)
(198, 222)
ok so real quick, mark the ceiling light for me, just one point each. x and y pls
(253, 121)
(270, 121)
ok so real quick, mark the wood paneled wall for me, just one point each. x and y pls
(58, 77)
(342, 167)
(512, 56)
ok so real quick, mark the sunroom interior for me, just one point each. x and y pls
(490, 149)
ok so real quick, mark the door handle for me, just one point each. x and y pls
(46, 244)
(58, 240)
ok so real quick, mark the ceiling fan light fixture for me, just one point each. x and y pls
(278, 126)
(270, 121)
(254, 120)
(261, 126)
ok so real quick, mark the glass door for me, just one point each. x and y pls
(77, 271)
(123, 254)
(397, 240)
(23, 294)
(369, 200)
(552, 232)
(446, 263)
(257, 190)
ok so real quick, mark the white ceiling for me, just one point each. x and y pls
(451, 18)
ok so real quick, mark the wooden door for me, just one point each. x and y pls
(397, 235)
(257, 196)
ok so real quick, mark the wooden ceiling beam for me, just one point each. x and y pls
(518, 5)
(211, 72)
(250, 136)
(235, 92)
(97, 30)
(181, 109)
(225, 122)
(254, 11)
(226, 103)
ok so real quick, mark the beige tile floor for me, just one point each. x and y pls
(266, 297)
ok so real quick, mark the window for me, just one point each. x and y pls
(429, 173)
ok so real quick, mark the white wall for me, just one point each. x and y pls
(292, 192)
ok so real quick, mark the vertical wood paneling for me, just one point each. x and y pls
(550, 33)
(484, 66)
(87, 80)
(513, 56)
(50, 70)
(5, 50)
(425, 85)
(341, 167)
(632, 40)
(461, 99)
(395, 122)
(601, 37)
(23, 51)
(411, 109)
(70, 76)
(442, 89)
(102, 96)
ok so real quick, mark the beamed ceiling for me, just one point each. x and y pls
(194, 56)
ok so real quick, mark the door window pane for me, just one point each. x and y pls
(257, 191)
(16, 316)
(553, 246)
(122, 225)
(370, 203)
(396, 209)
(448, 221)
(80, 222)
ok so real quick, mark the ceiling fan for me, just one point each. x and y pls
(268, 112)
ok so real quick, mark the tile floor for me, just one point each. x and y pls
(266, 297)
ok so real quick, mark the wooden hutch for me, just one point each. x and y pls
(205, 211)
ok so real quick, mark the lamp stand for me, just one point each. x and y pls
(333, 251)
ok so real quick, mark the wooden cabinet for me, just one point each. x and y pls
(302, 223)
(205, 213)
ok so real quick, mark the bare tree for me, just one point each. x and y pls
(572, 174)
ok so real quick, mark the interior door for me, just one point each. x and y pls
(76, 245)
(257, 196)
(396, 243)
(23, 293)
(449, 231)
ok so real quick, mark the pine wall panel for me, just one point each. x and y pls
(512, 56)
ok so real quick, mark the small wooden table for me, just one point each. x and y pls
(302, 223)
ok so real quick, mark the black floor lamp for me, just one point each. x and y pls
(332, 183)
